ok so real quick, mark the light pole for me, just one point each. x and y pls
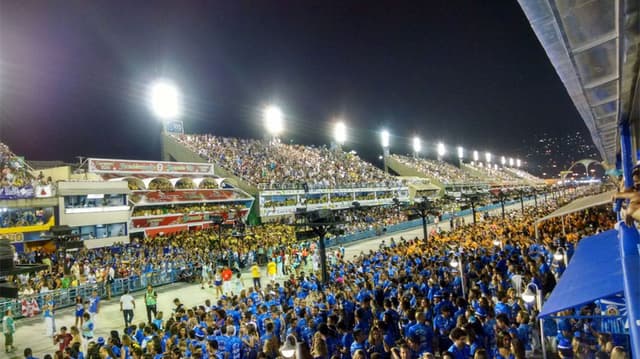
(460, 155)
(457, 262)
(424, 208)
(273, 121)
(165, 101)
(529, 296)
(487, 157)
(442, 150)
(561, 255)
(340, 134)
(476, 156)
(417, 146)
(384, 141)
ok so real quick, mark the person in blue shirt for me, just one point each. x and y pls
(346, 339)
(28, 354)
(359, 342)
(443, 323)
(94, 305)
(422, 332)
(459, 349)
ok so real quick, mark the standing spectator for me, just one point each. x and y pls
(94, 305)
(79, 310)
(127, 306)
(28, 354)
(255, 274)
(150, 300)
(63, 339)
(49, 320)
(87, 331)
(8, 328)
(227, 276)
(271, 269)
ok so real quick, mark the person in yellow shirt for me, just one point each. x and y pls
(271, 269)
(255, 274)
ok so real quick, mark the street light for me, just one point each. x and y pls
(535, 294)
(164, 100)
(441, 150)
(561, 255)
(340, 133)
(273, 120)
(417, 146)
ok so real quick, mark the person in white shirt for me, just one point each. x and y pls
(127, 306)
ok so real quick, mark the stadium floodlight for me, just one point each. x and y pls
(518, 163)
(460, 152)
(503, 160)
(487, 157)
(164, 100)
(441, 149)
(340, 133)
(417, 145)
(476, 156)
(273, 120)
(384, 138)
(510, 161)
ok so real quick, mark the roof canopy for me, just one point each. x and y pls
(595, 272)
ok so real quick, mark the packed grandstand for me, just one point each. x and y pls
(404, 299)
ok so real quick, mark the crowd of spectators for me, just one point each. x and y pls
(15, 179)
(404, 300)
(184, 209)
(440, 170)
(495, 174)
(524, 174)
(23, 217)
(274, 165)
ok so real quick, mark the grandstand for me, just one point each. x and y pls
(439, 171)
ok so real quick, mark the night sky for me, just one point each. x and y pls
(73, 74)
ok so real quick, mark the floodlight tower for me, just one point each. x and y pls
(273, 121)
(460, 155)
(476, 157)
(165, 103)
(417, 146)
(442, 150)
(384, 141)
(339, 134)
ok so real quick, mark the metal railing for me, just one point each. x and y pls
(67, 297)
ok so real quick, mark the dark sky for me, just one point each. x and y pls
(73, 74)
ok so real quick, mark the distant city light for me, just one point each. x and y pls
(518, 163)
(487, 157)
(460, 152)
(273, 120)
(510, 161)
(441, 149)
(340, 133)
(164, 100)
(384, 138)
(476, 156)
(417, 145)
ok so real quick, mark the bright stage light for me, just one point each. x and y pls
(510, 162)
(476, 156)
(460, 152)
(164, 100)
(503, 160)
(273, 120)
(518, 163)
(487, 157)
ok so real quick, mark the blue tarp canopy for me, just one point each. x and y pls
(595, 272)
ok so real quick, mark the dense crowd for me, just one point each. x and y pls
(406, 300)
(524, 174)
(23, 217)
(495, 174)
(15, 179)
(440, 170)
(273, 165)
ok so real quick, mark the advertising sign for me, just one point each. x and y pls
(99, 165)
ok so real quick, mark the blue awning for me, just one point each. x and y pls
(595, 272)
